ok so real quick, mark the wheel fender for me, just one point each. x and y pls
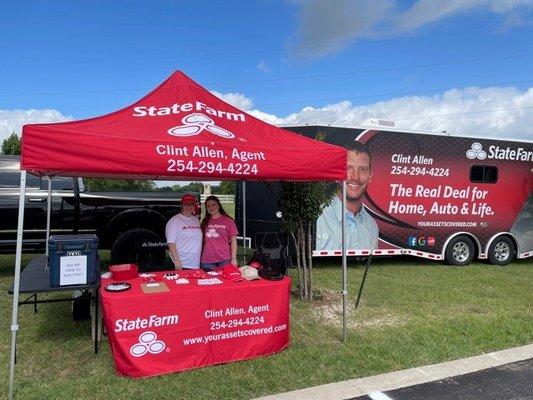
(471, 236)
(136, 218)
(508, 234)
(124, 249)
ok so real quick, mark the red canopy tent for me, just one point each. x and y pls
(178, 131)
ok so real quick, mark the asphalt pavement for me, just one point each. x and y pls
(500, 375)
(513, 381)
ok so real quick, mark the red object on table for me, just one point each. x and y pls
(231, 273)
(194, 325)
(123, 272)
(192, 273)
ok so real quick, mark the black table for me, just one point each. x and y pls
(34, 280)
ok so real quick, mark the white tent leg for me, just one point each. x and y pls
(244, 221)
(344, 267)
(14, 313)
(48, 213)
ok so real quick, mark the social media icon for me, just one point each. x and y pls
(431, 240)
(421, 241)
(411, 241)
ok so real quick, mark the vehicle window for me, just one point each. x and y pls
(11, 179)
(60, 183)
(483, 174)
(10, 174)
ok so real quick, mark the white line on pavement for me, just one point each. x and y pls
(379, 396)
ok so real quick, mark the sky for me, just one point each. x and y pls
(461, 66)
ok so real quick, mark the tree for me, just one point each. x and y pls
(11, 145)
(119, 185)
(163, 189)
(301, 204)
(195, 187)
(226, 187)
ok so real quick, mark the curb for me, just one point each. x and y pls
(408, 377)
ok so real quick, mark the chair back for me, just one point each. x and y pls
(272, 250)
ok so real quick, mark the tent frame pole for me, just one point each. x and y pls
(244, 221)
(344, 265)
(48, 214)
(18, 259)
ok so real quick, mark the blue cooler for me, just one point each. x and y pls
(73, 260)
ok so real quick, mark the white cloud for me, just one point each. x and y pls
(503, 6)
(262, 66)
(489, 112)
(424, 12)
(235, 99)
(324, 29)
(13, 120)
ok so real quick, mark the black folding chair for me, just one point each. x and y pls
(272, 250)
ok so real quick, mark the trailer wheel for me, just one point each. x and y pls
(460, 251)
(139, 246)
(502, 251)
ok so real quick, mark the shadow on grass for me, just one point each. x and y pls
(405, 260)
(54, 320)
(357, 262)
(7, 263)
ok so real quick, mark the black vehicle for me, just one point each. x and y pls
(131, 224)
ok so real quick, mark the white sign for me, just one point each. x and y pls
(73, 270)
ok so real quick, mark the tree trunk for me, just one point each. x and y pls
(310, 260)
(304, 260)
(298, 263)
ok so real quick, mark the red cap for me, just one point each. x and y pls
(188, 198)
(231, 273)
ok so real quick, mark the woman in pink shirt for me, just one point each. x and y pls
(220, 236)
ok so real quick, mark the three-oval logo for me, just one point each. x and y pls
(194, 124)
(212, 233)
(148, 343)
(476, 151)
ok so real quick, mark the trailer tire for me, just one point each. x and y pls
(128, 248)
(460, 251)
(501, 251)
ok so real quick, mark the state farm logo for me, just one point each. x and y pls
(476, 151)
(212, 233)
(195, 121)
(495, 152)
(194, 124)
(186, 227)
(148, 343)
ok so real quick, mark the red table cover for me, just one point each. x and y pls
(192, 326)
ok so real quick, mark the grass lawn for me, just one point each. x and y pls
(413, 312)
(228, 207)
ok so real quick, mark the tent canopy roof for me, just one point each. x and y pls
(179, 131)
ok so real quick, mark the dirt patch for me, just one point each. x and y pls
(328, 311)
